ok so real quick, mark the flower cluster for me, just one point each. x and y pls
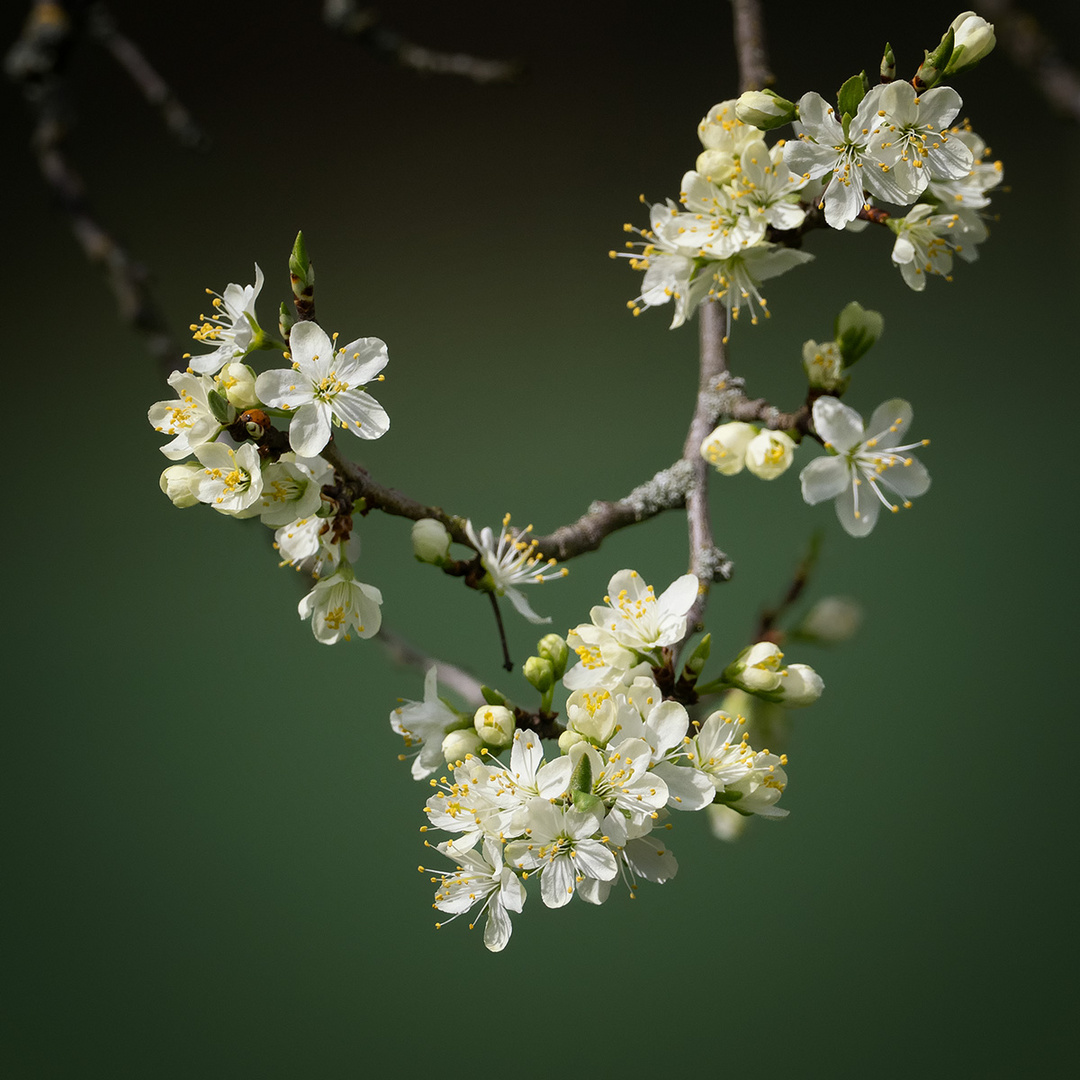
(744, 204)
(245, 467)
(589, 817)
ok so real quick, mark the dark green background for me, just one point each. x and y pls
(209, 849)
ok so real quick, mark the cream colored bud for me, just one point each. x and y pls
(770, 453)
(237, 383)
(801, 686)
(725, 448)
(973, 38)
(569, 738)
(176, 483)
(718, 166)
(431, 541)
(495, 725)
(831, 620)
(460, 743)
(764, 109)
(759, 669)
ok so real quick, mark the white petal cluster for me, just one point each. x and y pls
(593, 814)
(220, 415)
(735, 446)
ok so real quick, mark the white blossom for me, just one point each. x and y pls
(231, 330)
(863, 458)
(231, 480)
(325, 386)
(425, 724)
(188, 417)
(338, 604)
(725, 447)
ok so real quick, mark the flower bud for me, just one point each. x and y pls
(176, 483)
(831, 620)
(430, 541)
(458, 744)
(757, 668)
(301, 271)
(824, 366)
(717, 166)
(888, 64)
(725, 448)
(592, 713)
(973, 38)
(770, 453)
(801, 686)
(540, 673)
(856, 331)
(554, 648)
(494, 724)
(238, 383)
(569, 738)
(764, 109)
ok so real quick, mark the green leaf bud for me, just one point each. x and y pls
(856, 331)
(851, 94)
(888, 64)
(493, 697)
(695, 662)
(301, 272)
(223, 412)
(554, 648)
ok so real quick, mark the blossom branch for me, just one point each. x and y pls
(363, 24)
(767, 622)
(464, 684)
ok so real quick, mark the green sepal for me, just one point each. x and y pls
(493, 697)
(285, 321)
(727, 798)
(584, 800)
(850, 95)
(856, 330)
(933, 66)
(581, 778)
(695, 662)
(223, 412)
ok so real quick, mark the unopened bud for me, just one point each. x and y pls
(801, 686)
(831, 620)
(824, 366)
(540, 672)
(973, 38)
(430, 541)
(176, 482)
(301, 272)
(770, 453)
(238, 382)
(592, 713)
(569, 738)
(725, 448)
(494, 724)
(757, 669)
(717, 166)
(888, 64)
(856, 329)
(764, 109)
(554, 648)
(458, 744)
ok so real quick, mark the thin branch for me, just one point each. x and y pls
(36, 63)
(461, 682)
(754, 73)
(1033, 51)
(178, 121)
(508, 664)
(364, 25)
(766, 629)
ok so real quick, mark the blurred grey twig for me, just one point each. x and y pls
(465, 685)
(1033, 51)
(364, 24)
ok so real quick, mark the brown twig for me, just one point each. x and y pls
(365, 26)
(767, 622)
(754, 73)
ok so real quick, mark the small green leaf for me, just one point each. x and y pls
(856, 331)
(223, 412)
(851, 94)
(493, 697)
(581, 777)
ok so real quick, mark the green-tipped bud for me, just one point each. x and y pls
(973, 38)
(286, 321)
(301, 272)
(494, 724)
(888, 64)
(856, 331)
(459, 744)
(493, 697)
(176, 482)
(223, 412)
(430, 541)
(695, 662)
(824, 366)
(933, 67)
(581, 778)
(765, 109)
(540, 672)
(554, 648)
(851, 94)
